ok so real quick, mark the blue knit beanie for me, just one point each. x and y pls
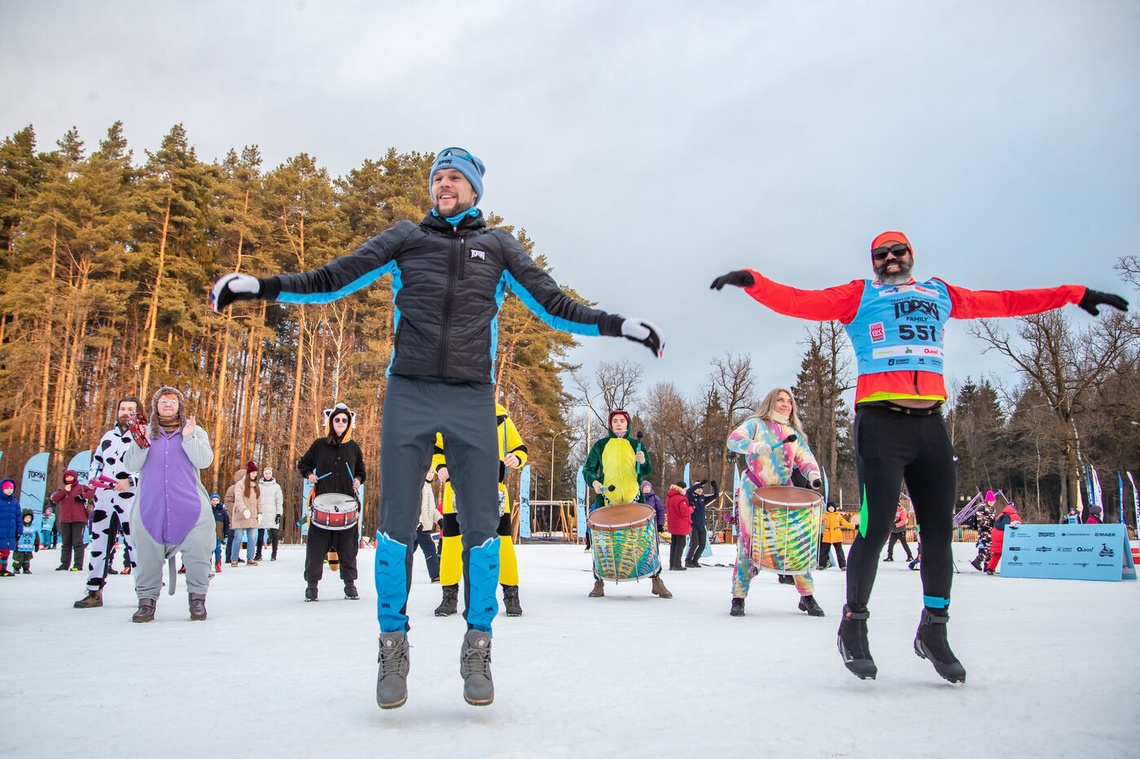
(467, 164)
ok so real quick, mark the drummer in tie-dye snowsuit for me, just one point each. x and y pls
(770, 460)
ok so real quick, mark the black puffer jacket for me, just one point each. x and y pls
(448, 285)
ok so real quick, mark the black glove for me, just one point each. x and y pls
(714, 484)
(277, 520)
(737, 278)
(1094, 298)
(816, 484)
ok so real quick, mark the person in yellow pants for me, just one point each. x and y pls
(512, 455)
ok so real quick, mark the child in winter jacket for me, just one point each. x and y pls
(28, 543)
(1008, 518)
(679, 514)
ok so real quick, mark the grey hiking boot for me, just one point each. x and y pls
(392, 678)
(450, 602)
(599, 589)
(197, 607)
(93, 599)
(146, 610)
(475, 668)
(511, 601)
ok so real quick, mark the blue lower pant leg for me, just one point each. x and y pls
(481, 586)
(391, 584)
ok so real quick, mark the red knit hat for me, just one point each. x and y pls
(251, 468)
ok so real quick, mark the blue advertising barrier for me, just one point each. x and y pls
(1068, 552)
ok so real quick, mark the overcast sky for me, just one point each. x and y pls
(648, 147)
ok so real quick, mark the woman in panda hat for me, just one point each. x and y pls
(334, 463)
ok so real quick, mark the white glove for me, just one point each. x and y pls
(245, 513)
(640, 457)
(598, 487)
(759, 449)
(233, 287)
(641, 331)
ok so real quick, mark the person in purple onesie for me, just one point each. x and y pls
(172, 513)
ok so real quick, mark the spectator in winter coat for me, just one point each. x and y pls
(10, 527)
(272, 512)
(245, 515)
(696, 497)
(653, 500)
(1008, 518)
(679, 513)
(985, 522)
(898, 532)
(832, 537)
(429, 519)
(1096, 515)
(1072, 517)
(74, 510)
(221, 528)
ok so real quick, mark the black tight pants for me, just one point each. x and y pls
(891, 447)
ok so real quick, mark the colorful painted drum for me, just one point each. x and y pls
(624, 539)
(783, 531)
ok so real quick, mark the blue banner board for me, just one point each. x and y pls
(1068, 552)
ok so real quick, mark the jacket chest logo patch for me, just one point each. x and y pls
(475, 253)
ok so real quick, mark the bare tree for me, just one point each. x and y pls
(1065, 366)
(734, 385)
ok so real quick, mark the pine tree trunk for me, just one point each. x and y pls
(152, 313)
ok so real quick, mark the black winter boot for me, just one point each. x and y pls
(737, 608)
(930, 643)
(311, 592)
(852, 643)
(350, 592)
(511, 601)
(450, 603)
(808, 604)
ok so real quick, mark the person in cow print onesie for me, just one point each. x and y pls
(114, 495)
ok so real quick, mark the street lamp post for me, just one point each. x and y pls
(590, 411)
(556, 434)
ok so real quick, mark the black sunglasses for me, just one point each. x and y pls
(898, 249)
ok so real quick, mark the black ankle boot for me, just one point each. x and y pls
(930, 643)
(852, 643)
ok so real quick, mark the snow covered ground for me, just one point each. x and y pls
(1051, 669)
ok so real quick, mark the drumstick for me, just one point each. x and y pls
(789, 439)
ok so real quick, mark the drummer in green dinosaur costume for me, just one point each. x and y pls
(615, 469)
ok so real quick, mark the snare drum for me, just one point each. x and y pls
(335, 511)
(783, 529)
(624, 539)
